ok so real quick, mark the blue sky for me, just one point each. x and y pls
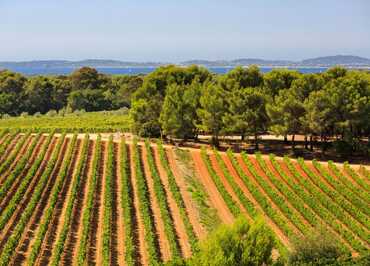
(169, 30)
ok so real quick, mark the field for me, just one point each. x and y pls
(80, 199)
(104, 121)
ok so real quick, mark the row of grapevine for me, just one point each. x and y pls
(230, 202)
(47, 215)
(6, 143)
(14, 153)
(317, 203)
(365, 172)
(359, 180)
(108, 202)
(296, 202)
(58, 249)
(361, 195)
(163, 204)
(2, 134)
(12, 205)
(343, 190)
(144, 206)
(279, 219)
(18, 169)
(12, 242)
(174, 189)
(340, 196)
(127, 205)
(290, 213)
(248, 205)
(88, 209)
(327, 201)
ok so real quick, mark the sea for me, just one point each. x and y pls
(33, 71)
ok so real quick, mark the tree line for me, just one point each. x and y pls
(182, 103)
(85, 89)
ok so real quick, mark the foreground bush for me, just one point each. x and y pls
(238, 244)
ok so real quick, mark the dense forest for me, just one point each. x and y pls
(183, 102)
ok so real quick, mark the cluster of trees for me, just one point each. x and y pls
(84, 89)
(184, 102)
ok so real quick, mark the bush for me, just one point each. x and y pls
(52, 113)
(343, 148)
(24, 114)
(238, 244)
(318, 247)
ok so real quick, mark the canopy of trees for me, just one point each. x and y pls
(181, 102)
(84, 89)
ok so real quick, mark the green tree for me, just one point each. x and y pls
(178, 116)
(11, 92)
(153, 92)
(212, 109)
(286, 113)
(242, 78)
(279, 79)
(246, 113)
(38, 95)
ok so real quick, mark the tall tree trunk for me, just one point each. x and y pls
(305, 142)
(215, 141)
(256, 141)
(293, 142)
(311, 143)
(285, 139)
(243, 137)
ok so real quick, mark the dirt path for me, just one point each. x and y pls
(99, 229)
(159, 225)
(262, 173)
(226, 184)
(140, 227)
(27, 196)
(57, 221)
(178, 223)
(30, 231)
(280, 234)
(190, 206)
(118, 238)
(216, 199)
(69, 255)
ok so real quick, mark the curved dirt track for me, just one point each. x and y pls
(216, 199)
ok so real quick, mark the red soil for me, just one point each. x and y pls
(190, 206)
(216, 199)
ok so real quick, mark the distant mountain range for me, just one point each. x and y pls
(327, 61)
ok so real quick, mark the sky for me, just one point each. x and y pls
(174, 31)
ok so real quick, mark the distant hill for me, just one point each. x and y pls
(337, 60)
(327, 61)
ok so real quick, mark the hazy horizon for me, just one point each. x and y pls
(165, 31)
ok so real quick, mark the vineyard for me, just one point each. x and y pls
(68, 199)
